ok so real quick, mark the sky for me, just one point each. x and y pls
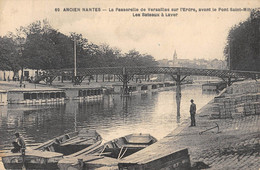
(194, 35)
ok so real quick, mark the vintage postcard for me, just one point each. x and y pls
(120, 84)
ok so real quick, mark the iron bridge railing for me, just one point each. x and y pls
(154, 70)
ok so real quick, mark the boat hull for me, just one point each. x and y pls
(48, 154)
(30, 162)
(17, 166)
(108, 154)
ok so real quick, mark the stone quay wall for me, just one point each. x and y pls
(239, 100)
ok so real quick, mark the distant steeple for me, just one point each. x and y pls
(174, 59)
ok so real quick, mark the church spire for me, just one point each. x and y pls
(174, 59)
(175, 55)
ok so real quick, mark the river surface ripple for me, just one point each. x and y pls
(112, 117)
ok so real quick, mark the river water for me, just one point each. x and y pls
(112, 117)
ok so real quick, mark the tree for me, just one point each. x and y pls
(134, 58)
(64, 47)
(18, 38)
(108, 56)
(8, 54)
(39, 46)
(243, 42)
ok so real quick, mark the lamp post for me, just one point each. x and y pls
(229, 61)
(229, 54)
(75, 58)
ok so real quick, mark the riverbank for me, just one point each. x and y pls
(235, 146)
(8, 85)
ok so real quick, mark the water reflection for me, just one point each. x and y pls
(113, 116)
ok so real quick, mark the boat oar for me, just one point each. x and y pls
(210, 129)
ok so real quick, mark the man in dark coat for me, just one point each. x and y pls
(192, 112)
(18, 144)
(16, 147)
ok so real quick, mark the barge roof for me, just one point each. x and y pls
(36, 90)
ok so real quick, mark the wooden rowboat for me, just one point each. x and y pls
(32, 159)
(107, 154)
(47, 155)
(72, 142)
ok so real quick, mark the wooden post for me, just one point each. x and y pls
(21, 80)
(178, 81)
(229, 81)
(178, 94)
(75, 57)
(125, 88)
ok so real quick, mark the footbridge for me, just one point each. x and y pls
(125, 74)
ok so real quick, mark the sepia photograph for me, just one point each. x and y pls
(129, 84)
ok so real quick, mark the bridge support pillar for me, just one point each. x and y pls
(178, 94)
(49, 79)
(228, 81)
(178, 81)
(125, 87)
(125, 78)
(78, 79)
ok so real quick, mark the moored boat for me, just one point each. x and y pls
(32, 159)
(72, 142)
(108, 154)
(47, 154)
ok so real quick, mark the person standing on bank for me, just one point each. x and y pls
(192, 112)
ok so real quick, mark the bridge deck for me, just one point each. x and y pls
(155, 70)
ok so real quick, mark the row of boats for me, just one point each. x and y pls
(84, 149)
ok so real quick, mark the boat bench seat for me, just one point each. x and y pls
(134, 146)
(103, 153)
(138, 139)
(51, 148)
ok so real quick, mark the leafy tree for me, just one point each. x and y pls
(148, 60)
(242, 49)
(41, 53)
(8, 54)
(39, 46)
(45, 47)
(64, 48)
(134, 58)
(81, 49)
(108, 56)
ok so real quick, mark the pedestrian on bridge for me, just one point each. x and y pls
(192, 112)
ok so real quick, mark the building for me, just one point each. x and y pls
(195, 63)
(3, 97)
(11, 76)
